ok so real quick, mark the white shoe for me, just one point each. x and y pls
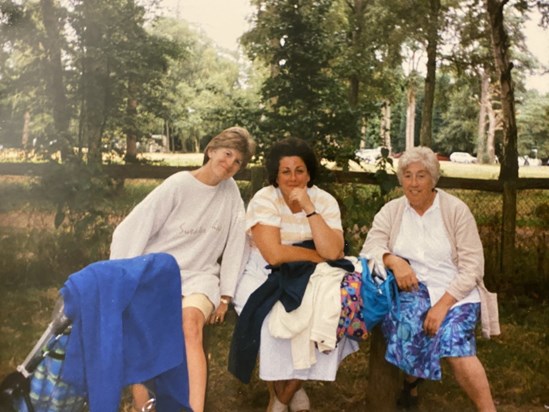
(300, 401)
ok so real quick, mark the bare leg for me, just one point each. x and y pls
(285, 390)
(471, 376)
(193, 324)
(411, 379)
(140, 396)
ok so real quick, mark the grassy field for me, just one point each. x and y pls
(448, 168)
(36, 259)
(516, 362)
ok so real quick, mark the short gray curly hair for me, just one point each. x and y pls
(423, 155)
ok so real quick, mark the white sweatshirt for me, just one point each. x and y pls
(197, 224)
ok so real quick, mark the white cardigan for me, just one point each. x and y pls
(315, 321)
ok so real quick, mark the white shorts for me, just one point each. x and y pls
(199, 301)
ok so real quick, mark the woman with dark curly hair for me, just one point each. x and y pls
(288, 212)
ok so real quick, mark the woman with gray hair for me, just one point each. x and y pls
(430, 240)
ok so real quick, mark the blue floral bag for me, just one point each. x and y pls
(377, 294)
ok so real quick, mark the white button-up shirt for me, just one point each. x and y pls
(424, 242)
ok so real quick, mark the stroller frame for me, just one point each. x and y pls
(15, 387)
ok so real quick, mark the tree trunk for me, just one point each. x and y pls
(383, 382)
(131, 133)
(482, 117)
(26, 127)
(509, 162)
(410, 116)
(491, 135)
(386, 125)
(94, 82)
(356, 20)
(54, 80)
(425, 135)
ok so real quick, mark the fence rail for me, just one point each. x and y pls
(256, 176)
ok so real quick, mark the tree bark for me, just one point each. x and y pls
(410, 116)
(509, 162)
(25, 131)
(425, 135)
(491, 134)
(386, 124)
(54, 80)
(482, 117)
(357, 27)
(94, 83)
(131, 132)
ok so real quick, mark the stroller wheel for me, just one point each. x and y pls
(13, 388)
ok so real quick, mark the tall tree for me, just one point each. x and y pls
(53, 21)
(509, 162)
(205, 89)
(22, 74)
(120, 63)
(303, 97)
(370, 63)
(432, 39)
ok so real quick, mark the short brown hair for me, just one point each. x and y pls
(236, 138)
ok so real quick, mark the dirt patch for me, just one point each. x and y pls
(22, 219)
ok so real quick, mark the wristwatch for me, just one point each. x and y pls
(226, 301)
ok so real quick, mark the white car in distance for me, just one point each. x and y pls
(369, 155)
(462, 157)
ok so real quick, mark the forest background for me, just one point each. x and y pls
(97, 75)
(84, 83)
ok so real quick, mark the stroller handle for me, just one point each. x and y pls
(56, 327)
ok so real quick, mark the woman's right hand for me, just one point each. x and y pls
(300, 196)
(404, 274)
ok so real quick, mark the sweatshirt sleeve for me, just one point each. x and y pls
(132, 235)
(470, 254)
(234, 253)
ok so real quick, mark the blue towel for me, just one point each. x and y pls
(126, 328)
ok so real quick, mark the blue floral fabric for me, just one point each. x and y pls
(417, 354)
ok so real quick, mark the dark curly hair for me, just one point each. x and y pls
(291, 146)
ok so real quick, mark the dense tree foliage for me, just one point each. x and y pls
(344, 74)
(88, 75)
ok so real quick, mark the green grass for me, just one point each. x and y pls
(36, 259)
(471, 171)
(516, 361)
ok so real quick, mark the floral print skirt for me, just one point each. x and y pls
(414, 352)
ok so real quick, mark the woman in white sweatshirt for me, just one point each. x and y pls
(198, 217)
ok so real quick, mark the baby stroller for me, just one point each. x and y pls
(124, 317)
(37, 386)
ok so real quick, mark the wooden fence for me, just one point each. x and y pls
(256, 175)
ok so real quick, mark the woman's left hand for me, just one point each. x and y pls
(435, 315)
(433, 320)
(218, 315)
